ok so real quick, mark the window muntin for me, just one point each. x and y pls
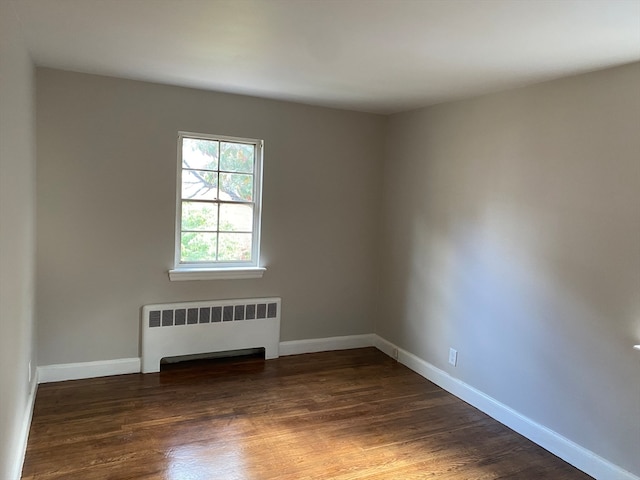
(218, 201)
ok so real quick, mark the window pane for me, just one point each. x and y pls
(236, 217)
(199, 216)
(234, 247)
(198, 247)
(236, 157)
(200, 154)
(234, 186)
(199, 185)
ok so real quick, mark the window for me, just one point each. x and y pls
(218, 207)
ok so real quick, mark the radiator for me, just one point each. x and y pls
(173, 329)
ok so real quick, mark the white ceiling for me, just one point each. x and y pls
(370, 55)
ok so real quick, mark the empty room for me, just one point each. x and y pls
(319, 239)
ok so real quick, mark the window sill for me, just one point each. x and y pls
(184, 274)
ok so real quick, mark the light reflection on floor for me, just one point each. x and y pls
(206, 461)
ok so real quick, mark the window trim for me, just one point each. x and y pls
(228, 273)
(219, 270)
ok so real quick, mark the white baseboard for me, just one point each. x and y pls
(23, 435)
(296, 347)
(572, 453)
(103, 368)
(75, 371)
(384, 345)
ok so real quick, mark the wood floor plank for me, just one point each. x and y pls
(347, 415)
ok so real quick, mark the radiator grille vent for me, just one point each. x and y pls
(212, 314)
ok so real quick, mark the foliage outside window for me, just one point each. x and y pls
(218, 214)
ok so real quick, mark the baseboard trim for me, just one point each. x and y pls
(570, 452)
(23, 437)
(75, 371)
(297, 347)
(121, 366)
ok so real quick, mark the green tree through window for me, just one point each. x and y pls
(219, 211)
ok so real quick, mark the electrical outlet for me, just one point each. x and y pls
(453, 356)
(395, 353)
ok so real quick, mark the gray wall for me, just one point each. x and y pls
(17, 238)
(513, 235)
(106, 207)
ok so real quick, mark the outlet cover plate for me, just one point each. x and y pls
(453, 356)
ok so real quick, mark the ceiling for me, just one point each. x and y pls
(368, 55)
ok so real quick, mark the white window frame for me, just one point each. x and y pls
(220, 270)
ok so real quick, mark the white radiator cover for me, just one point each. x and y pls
(186, 328)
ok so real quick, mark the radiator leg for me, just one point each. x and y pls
(271, 351)
(150, 364)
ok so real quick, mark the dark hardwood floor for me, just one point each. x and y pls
(353, 414)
